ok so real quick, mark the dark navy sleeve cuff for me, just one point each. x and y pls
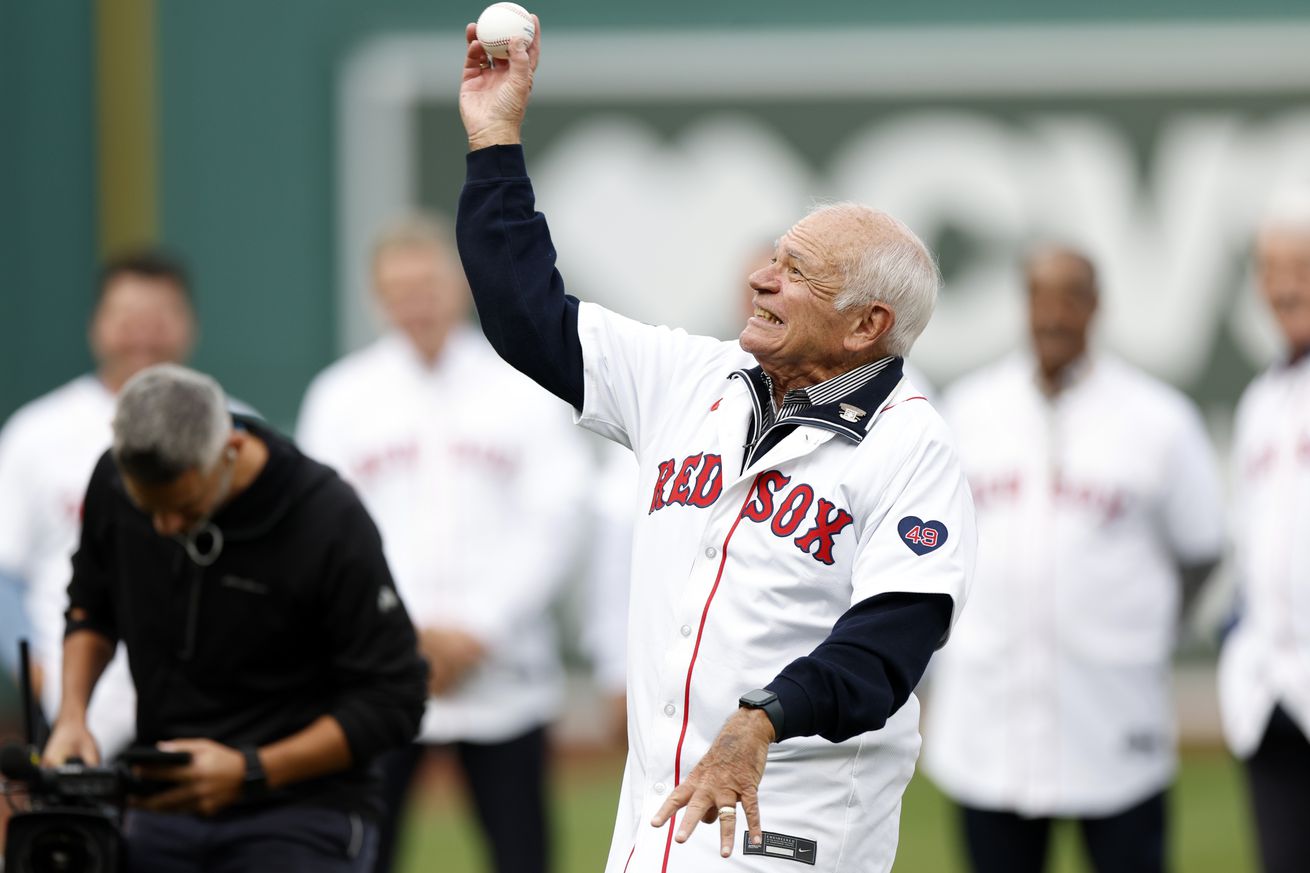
(494, 163)
(797, 710)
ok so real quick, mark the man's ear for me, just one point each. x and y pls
(235, 440)
(871, 329)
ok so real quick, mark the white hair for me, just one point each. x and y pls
(898, 271)
(1288, 208)
(169, 419)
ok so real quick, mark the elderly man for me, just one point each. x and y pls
(142, 316)
(1264, 676)
(1098, 508)
(265, 638)
(479, 516)
(809, 533)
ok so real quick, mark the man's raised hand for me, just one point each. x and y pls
(493, 94)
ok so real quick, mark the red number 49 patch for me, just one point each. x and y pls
(921, 536)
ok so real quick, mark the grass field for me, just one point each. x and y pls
(1210, 823)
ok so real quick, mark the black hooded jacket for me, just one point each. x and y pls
(296, 618)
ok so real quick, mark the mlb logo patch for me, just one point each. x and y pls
(921, 536)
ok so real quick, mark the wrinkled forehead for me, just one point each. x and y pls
(838, 236)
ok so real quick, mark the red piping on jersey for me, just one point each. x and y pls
(899, 402)
(686, 694)
(629, 861)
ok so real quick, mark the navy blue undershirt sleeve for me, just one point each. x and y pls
(509, 260)
(865, 670)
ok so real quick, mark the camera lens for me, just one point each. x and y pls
(64, 850)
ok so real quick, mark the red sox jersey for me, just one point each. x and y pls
(47, 452)
(1266, 659)
(479, 511)
(1053, 698)
(739, 570)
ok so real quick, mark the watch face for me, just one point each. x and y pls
(758, 697)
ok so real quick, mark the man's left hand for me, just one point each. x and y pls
(212, 781)
(729, 774)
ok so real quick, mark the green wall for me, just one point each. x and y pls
(47, 195)
(246, 117)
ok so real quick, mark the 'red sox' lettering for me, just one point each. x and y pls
(698, 481)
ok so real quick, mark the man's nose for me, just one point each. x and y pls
(765, 279)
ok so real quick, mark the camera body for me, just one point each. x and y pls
(73, 823)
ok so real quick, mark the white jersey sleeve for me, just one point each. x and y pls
(319, 419)
(1193, 502)
(635, 374)
(924, 540)
(16, 495)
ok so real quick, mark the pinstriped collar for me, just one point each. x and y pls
(843, 404)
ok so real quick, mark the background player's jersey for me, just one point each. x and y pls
(475, 479)
(738, 572)
(1053, 697)
(1266, 659)
(47, 452)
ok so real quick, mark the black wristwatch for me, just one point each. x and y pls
(255, 783)
(762, 698)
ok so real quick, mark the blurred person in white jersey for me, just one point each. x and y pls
(475, 478)
(1264, 675)
(143, 316)
(1099, 510)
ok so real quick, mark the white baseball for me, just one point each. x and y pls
(499, 23)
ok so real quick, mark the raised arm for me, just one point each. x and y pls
(504, 243)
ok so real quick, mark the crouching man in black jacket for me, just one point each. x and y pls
(264, 635)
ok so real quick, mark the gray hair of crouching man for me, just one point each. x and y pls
(169, 419)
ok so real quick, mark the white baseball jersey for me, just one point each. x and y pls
(737, 572)
(1053, 698)
(475, 479)
(47, 452)
(1266, 659)
(606, 633)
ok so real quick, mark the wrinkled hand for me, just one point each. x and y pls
(70, 738)
(451, 654)
(493, 94)
(729, 774)
(211, 782)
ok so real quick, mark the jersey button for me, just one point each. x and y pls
(685, 630)
(711, 552)
(659, 787)
(670, 709)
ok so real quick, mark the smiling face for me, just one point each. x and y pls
(1283, 267)
(795, 331)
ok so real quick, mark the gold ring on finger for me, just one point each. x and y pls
(727, 812)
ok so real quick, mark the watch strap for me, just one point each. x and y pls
(255, 782)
